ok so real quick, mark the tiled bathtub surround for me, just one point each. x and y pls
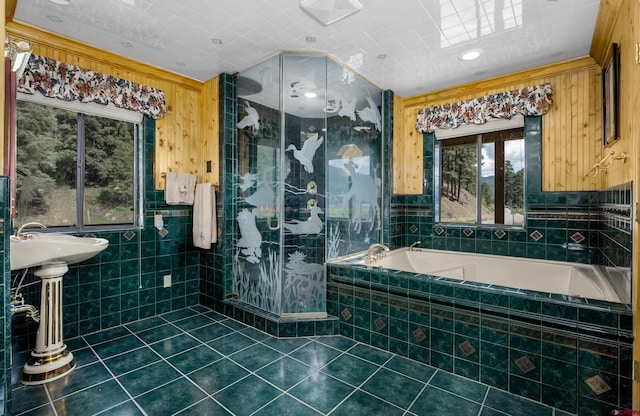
(536, 346)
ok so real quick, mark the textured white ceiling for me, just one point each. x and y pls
(408, 46)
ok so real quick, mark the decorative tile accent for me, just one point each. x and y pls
(1, 226)
(439, 230)
(379, 323)
(419, 334)
(500, 234)
(89, 235)
(597, 385)
(163, 233)
(577, 238)
(536, 235)
(413, 228)
(525, 365)
(468, 232)
(129, 235)
(346, 314)
(619, 238)
(466, 348)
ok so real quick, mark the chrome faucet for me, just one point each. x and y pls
(414, 244)
(21, 236)
(373, 249)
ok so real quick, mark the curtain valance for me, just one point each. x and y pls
(69, 82)
(529, 101)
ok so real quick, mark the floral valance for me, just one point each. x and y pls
(529, 101)
(69, 82)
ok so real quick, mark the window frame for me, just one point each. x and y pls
(499, 178)
(138, 167)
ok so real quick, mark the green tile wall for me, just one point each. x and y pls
(5, 348)
(215, 264)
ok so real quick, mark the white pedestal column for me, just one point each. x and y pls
(50, 360)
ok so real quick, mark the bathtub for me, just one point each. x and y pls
(570, 279)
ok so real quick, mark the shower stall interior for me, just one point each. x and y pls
(307, 181)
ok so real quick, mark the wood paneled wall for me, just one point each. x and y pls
(209, 105)
(621, 30)
(2, 96)
(572, 136)
(186, 137)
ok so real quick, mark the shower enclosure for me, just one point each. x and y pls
(307, 181)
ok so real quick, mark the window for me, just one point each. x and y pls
(481, 178)
(75, 170)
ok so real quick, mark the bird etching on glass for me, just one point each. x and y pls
(312, 225)
(252, 119)
(247, 181)
(348, 110)
(371, 114)
(250, 238)
(305, 155)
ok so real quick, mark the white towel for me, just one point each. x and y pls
(204, 216)
(179, 188)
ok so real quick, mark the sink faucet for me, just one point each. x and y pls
(414, 244)
(373, 249)
(22, 236)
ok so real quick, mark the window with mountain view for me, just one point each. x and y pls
(74, 170)
(481, 178)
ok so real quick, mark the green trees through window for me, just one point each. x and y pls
(481, 178)
(74, 170)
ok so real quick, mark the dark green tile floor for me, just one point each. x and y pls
(197, 362)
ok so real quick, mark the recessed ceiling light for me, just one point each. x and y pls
(61, 2)
(470, 54)
(310, 39)
(310, 94)
(381, 56)
(216, 41)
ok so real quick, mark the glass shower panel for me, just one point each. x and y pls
(354, 162)
(257, 259)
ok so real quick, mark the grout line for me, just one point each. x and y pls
(484, 399)
(427, 384)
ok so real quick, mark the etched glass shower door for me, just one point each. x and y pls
(304, 80)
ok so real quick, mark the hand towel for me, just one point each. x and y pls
(204, 216)
(179, 188)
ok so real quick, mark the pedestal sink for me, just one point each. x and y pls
(51, 253)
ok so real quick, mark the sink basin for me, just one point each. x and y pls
(43, 248)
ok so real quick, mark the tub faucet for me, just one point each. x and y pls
(414, 244)
(21, 236)
(373, 249)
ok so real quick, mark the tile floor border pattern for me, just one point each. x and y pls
(194, 361)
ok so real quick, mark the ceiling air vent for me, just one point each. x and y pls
(330, 11)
